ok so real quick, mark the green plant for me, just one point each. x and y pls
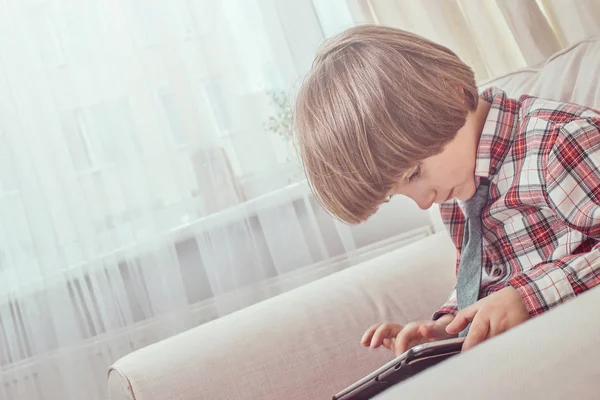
(281, 123)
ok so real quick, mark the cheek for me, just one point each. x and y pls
(441, 171)
(451, 169)
(415, 189)
(445, 177)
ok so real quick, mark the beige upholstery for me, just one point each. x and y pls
(572, 75)
(304, 344)
(555, 356)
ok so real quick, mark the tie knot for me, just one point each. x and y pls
(474, 206)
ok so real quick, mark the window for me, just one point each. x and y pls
(44, 31)
(212, 92)
(272, 79)
(101, 135)
(171, 117)
(197, 17)
(77, 132)
(334, 16)
(8, 179)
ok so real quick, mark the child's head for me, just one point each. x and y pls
(376, 103)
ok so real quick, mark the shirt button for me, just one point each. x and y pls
(493, 171)
(496, 272)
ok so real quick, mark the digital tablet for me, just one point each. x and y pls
(400, 368)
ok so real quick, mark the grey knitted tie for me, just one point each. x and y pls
(471, 261)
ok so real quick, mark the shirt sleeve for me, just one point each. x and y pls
(572, 179)
(449, 307)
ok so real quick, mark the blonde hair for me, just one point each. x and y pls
(376, 102)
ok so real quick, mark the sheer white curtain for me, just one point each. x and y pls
(493, 36)
(147, 181)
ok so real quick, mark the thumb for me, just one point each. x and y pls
(462, 319)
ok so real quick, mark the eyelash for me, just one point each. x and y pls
(415, 175)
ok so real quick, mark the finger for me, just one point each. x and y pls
(388, 343)
(457, 325)
(366, 339)
(462, 319)
(383, 331)
(407, 337)
(429, 330)
(434, 330)
(478, 332)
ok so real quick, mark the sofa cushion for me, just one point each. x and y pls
(571, 75)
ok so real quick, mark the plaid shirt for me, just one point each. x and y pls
(541, 225)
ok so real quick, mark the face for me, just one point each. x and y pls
(449, 174)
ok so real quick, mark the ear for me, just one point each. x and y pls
(467, 98)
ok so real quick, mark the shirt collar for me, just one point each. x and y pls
(498, 132)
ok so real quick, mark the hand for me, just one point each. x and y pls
(400, 338)
(490, 316)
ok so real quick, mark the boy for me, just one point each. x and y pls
(385, 112)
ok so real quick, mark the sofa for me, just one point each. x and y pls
(304, 344)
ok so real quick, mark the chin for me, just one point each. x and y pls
(467, 192)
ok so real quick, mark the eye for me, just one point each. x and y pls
(415, 175)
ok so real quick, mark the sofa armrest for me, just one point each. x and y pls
(552, 356)
(303, 344)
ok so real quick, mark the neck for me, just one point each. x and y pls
(479, 117)
(471, 132)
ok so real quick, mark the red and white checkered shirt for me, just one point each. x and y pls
(541, 225)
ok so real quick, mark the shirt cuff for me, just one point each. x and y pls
(447, 309)
(543, 288)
